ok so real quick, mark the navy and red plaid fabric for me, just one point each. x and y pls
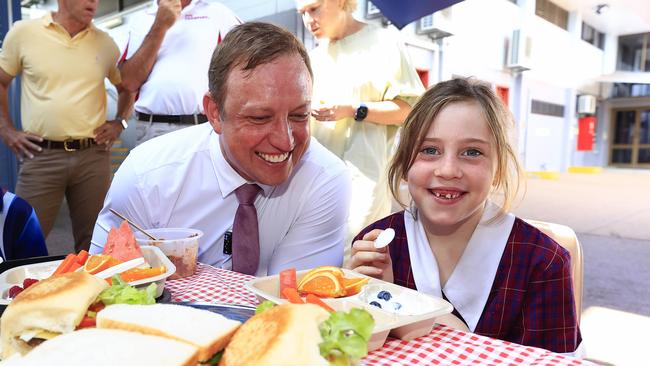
(531, 301)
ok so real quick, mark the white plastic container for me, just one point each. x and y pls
(403, 326)
(181, 246)
(38, 271)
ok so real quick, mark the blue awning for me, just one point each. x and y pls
(401, 13)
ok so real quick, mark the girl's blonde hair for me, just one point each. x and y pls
(508, 172)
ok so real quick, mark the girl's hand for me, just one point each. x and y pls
(368, 260)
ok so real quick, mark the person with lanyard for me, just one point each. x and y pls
(456, 239)
(64, 145)
(20, 232)
(165, 62)
(364, 86)
(253, 170)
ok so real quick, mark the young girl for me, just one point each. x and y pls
(505, 278)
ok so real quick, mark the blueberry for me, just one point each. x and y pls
(375, 303)
(384, 295)
(396, 306)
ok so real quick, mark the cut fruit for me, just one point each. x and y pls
(353, 286)
(121, 243)
(336, 271)
(323, 284)
(99, 262)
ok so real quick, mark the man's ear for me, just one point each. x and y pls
(211, 110)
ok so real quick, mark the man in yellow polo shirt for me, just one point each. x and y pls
(65, 142)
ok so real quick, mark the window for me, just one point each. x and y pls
(633, 52)
(547, 109)
(624, 90)
(593, 36)
(553, 13)
(107, 7)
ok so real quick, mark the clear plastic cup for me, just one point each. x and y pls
(181, 246)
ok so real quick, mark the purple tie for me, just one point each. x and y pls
(245, 234)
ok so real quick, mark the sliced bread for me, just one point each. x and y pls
(208, 332)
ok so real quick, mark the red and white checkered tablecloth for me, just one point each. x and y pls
(443, 346)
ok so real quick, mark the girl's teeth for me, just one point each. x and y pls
(446, 195)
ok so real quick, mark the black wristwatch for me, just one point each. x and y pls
(361, 113)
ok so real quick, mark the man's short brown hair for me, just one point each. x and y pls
(248, 46)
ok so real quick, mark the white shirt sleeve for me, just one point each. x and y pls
(317, 237)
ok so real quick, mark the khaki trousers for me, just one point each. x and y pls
(83, 176)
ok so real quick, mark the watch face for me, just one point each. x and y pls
(361, 113)
(124, 123)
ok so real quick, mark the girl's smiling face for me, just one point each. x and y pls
(454, 169)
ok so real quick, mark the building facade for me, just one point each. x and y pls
(575, 74)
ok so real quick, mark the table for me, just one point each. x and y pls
(443, 346)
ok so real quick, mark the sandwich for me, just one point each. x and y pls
(206, 331)
(61, 304)
(47, 309)
(304, 334)
(107, 347)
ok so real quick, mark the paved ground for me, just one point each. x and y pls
(610, 212)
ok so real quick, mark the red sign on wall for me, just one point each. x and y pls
(586, 133)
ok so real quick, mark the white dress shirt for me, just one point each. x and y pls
(179, 78)
(183, 180)
(469, 285)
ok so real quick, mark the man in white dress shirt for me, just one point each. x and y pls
(258, 106)
(166, 62)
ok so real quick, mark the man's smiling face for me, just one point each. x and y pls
(263, 128)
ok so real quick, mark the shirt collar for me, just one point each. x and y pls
(47, 21)
(469, 285)
(227, 177)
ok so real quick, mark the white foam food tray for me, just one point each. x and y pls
(418, 322)
(15, 276)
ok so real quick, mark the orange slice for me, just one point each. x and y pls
(99, 262)
(353, 286)
(324, 284)
(336, 271)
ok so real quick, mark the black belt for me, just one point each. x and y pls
(183, 119)
(67, 145)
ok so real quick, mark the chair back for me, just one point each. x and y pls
(566, 237)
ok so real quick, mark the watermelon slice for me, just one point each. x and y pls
(121, 244)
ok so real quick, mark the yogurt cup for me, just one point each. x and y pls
(181, 246)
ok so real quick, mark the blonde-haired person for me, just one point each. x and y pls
(364, 87)
(505, 278)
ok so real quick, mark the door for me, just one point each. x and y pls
(631, 138)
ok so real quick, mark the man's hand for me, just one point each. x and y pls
(168, 12)
(370, 261)
(20, 142)
(107, 133)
